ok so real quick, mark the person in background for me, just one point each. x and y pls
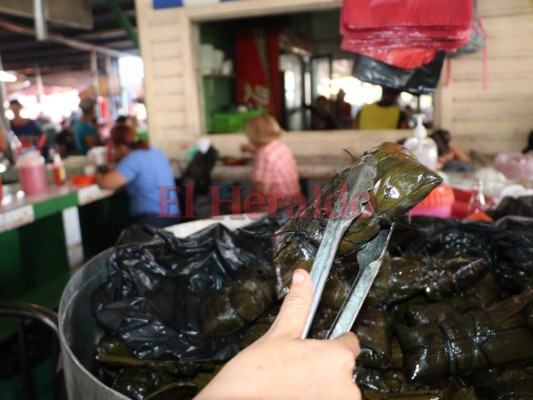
(384, 114)
(85, 132)
(410, 116)
(3, 141)
(343, 111)
(124, 120)
(28, 131)
(281, 366)
(146, 173)
(275, 173)
(322, 118)
(65, 139)
(529, 147)
(451, 158)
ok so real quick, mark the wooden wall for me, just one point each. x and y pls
(499, 117)
(489, 121)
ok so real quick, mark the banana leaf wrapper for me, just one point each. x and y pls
(479, 296)
(453, 275)
(418, 395)
(114, 352)
(374, 330)
(514, 382)
(519, 390)
(259, 327)
(138, 383)
(400, 183)
(398, 279)
(528, 315)
(386, 382)
(440, 276)
(232, 307)
(175, 391)
(466, 394)
(375, 346)
(497, 336)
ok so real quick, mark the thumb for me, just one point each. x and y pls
(293, 313)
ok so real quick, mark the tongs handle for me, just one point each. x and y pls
(370, 259)
(335, 229)
(352, 202)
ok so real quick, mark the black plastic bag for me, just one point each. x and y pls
(421, 80)
(158, 283)
(522, 206)
(512, 253)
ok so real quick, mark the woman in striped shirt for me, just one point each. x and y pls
(275, 174)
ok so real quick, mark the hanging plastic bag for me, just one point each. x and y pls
(405, 33)
(401, 58)
(421, 80)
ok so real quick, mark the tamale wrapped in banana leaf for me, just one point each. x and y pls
(373, 329)
(437, 277)
(479, 296)
(399, 184)
(385, 382)
(496, 336)
(512, 383)
(528, 315)
(375, 346)
(138, 383)
(418, 395)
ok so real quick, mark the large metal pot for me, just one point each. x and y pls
(77, 327)
(78, 332)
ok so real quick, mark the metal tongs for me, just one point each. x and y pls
(352, 203)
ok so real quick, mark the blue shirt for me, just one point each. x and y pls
(83, 130)
(151, 185)
(30, 129)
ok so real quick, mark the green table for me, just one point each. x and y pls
(43, 238)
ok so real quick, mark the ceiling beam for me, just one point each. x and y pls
(123, 21)
(74, 43)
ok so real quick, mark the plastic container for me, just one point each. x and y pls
(31, 173)
(58, 168)
(235, 122)
(437, 204)
(83, 180)
(423, 147)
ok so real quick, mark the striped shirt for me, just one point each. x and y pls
(276, 169)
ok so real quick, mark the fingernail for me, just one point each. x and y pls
(298, 277)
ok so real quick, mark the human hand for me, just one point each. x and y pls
(281, 366)
(247, 147)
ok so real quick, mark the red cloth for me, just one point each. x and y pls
(276, 169)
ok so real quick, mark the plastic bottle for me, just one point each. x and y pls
(31, 172)
(477, 203)
(424, 148)
(58, 168)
